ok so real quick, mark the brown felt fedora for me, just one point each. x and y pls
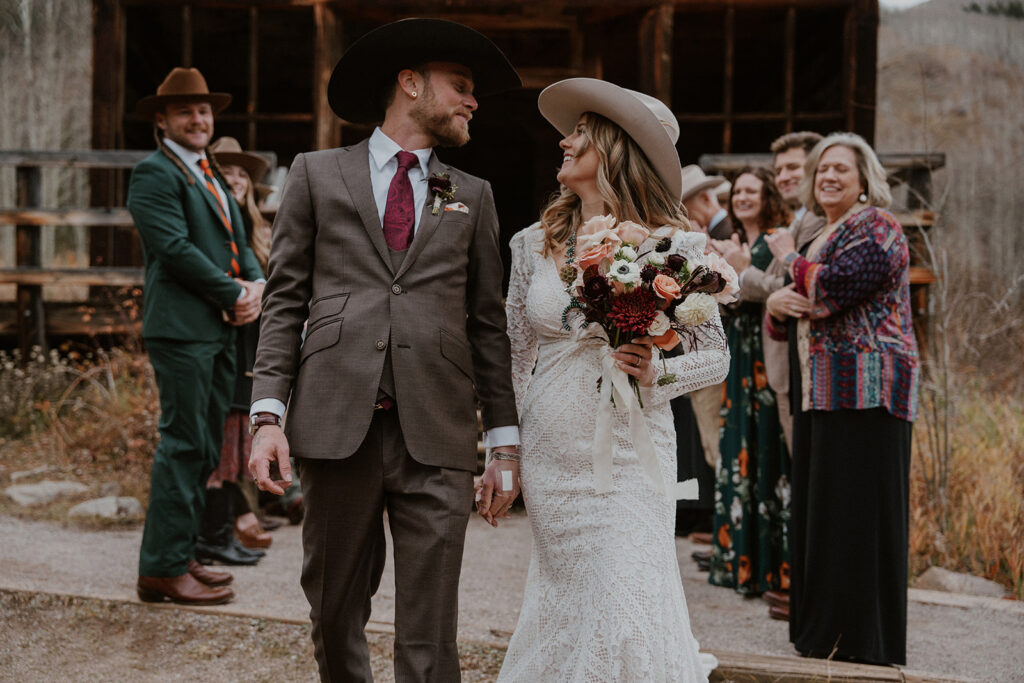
(182, 85)
(227, 151)
(368, 68)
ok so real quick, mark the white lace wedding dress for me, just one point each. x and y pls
(604, 600)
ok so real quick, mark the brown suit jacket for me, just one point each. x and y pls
(440, 313)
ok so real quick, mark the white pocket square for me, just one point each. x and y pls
(456, 206)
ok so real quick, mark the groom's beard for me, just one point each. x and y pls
(442, 126)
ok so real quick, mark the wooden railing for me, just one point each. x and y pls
(28, 273)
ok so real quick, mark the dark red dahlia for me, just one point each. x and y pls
(648, 273)
(633, 311)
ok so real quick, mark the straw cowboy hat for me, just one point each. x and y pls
(646, 119)
(364, 73)
(227, 151)
(182, 85)
(695, 180)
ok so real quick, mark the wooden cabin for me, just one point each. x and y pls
(737, 73)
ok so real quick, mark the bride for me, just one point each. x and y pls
(604, 600)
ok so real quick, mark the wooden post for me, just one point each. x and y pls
(31, 322)
(729, 45)
(656, 52)
(327, 52)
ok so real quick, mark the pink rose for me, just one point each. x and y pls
(587, 242)
(597, 255)
(597, 224)
(630, 232)
(665, 287)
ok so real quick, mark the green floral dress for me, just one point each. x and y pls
(750, 548)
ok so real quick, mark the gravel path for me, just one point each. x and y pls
(948, 635)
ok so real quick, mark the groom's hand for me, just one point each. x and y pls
(497, 490)
(270, 452)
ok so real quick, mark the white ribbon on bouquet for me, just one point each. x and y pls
(615, 383)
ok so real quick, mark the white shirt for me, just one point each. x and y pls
(191, 160)
(716, 219)
(383, 165)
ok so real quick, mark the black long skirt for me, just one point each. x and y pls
(848, 534)
(692, 515)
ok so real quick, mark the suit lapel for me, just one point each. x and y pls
(354, 165)
(428, 221)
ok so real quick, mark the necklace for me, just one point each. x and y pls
(568, 271)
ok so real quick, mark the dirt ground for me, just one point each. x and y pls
(69, 612)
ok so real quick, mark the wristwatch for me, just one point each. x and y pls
(262, 419)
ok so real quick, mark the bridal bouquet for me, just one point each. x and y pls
(631, 290)
(632, 282)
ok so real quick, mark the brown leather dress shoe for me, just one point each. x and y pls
(701, 537)
(776, 598)
(779, 612)
(184, 589)
(250, 533)
(208, 576)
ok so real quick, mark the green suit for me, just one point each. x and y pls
(187, 250)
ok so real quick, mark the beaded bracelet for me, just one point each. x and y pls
(501, 455)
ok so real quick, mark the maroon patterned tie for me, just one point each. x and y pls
(400, 212)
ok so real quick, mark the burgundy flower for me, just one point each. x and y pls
(676, 262)
(663, 244)
(648, 273)
(440, 184)
(634, 311)
(595, 287)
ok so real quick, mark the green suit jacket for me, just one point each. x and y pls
(187, 250)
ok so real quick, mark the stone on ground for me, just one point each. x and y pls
(939, 579)
(43, 492)
(108, 507)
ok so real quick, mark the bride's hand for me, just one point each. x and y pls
(635, 359)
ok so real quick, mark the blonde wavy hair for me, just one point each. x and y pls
(630, 188)
(869, 168)
(259, 241)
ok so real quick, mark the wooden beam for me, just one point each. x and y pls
(789, 67)
(895, 164)
(254, 77)
(91, 217)
(78, 321)
(96, 276)
(88, 158)
(750, 668)
(865, 96)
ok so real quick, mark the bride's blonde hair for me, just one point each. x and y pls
(629, 187)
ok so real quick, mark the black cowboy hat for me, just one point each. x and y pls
(368, 68)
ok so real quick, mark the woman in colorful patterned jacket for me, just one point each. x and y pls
(854, 390)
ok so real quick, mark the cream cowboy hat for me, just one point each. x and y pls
(646, 119)
(182, 85)
(228, 152)
(695, 180)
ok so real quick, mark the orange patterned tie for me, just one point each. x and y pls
(205, 165)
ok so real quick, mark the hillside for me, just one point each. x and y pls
(953, 81)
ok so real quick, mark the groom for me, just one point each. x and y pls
(390, 259)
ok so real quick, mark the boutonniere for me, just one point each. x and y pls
(441, 185)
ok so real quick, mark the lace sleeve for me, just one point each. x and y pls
(705, 357)
(520, 332)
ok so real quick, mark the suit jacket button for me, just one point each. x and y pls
(381, 344)
(396, 289)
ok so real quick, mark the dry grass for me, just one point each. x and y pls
(977, 524)
(91, 417)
